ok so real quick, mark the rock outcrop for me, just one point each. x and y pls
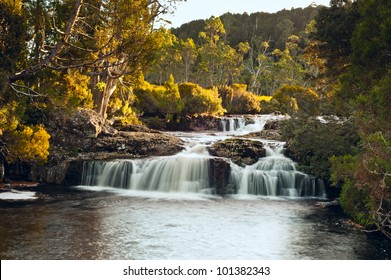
(240, 151)
(219, 174)
(271, 131)
(85, 136)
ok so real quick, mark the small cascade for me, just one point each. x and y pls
(275, 175)
(242, 124)
(174, 174)
(185, 172)
(232, 124)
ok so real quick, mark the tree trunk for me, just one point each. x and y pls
(102, 94)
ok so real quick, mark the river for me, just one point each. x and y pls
(118, 214)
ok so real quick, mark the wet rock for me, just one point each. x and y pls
(271, 131)
(219, 174)
(240, 151)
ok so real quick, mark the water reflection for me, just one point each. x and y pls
(78, 224)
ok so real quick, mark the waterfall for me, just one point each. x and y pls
(172, 174)
(242, 124)
(195, 171)
(275, 175)
(232, 124)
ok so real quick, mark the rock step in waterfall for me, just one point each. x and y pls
(196, 171)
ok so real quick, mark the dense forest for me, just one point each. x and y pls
(117, 58)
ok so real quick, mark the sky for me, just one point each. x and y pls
(204, 9)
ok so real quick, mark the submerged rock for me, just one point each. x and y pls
(240, 151)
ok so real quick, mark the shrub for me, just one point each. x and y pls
(236, 100)
(29, 143)
(290, 99)
(200, 101)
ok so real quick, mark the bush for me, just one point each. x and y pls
(312, 143)
(291, 99)
(236, 100)
(162, 101)
(200, 101)
(29, 143)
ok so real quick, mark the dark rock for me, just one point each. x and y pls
(136, 144)
(219, 174)
(272, 125)
(240, 151)
(266, 135)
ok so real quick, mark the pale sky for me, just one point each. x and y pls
(204, 9)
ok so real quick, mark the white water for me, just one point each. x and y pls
(188, 171)
(276, 175)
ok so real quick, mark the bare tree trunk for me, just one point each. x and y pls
(102, 94)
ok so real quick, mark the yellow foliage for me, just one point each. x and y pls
(263, 98)
(239, 87)
(8, 120)
(29, 143)
(78, 92)
(200, 101)
(128, 116)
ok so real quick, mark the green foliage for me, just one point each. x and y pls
(13, 40)
(334, 29)
(355, 41)
(290, 99)
(242, 27)
(311, 143)
(199, 101)
(218, 63)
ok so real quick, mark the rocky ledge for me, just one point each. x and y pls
(271, 131)
(240, 151)
(84, 135)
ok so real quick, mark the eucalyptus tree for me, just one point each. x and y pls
(218, 63)
(105, 40)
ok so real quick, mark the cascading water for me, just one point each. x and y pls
(190, 171)
(276, 175)
(186, 172)
(231, 124)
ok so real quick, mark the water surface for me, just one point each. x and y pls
(74, 223)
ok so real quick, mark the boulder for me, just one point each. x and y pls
(219, 175)
(240, 151)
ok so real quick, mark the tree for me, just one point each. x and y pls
(167, 58)
(189, 56)
(104, 39)
(357, 49)
(219, 64)
(334, 28)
